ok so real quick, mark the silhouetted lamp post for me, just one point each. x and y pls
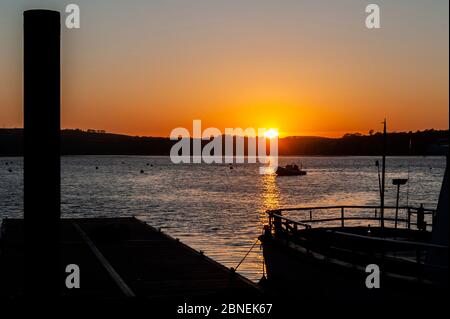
(398, 182)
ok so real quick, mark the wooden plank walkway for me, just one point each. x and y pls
(124, 258)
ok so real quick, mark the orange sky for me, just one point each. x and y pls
(304, 67)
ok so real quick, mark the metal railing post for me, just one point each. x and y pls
(409, 218)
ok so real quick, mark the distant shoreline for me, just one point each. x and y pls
(280, 156)
(78, 142)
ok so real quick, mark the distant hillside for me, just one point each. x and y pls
(428, 142)
(78, 142)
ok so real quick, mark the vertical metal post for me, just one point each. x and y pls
(396, 205)
(42, 152)
(383, 173)
(409, 218)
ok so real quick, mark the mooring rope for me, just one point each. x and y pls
(248, 252)
(263, 268)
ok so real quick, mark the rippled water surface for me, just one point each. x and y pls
(214, 208)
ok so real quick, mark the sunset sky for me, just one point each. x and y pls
(304, 67)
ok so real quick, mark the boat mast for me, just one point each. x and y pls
(383, 173)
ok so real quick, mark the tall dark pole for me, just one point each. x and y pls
(42, 152)
(383, 173)
(396, 205)
(398, 182)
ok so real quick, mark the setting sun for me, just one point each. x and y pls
(271, 133)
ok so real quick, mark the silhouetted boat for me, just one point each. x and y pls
(328, 256)
(290, 170)
(326, 251)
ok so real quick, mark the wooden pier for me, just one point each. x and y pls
(121, 258)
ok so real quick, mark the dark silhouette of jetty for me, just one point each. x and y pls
(122, 258)
(118, 258)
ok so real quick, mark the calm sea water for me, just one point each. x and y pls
(214, 208)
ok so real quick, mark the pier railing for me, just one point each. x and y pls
(348, 215)
(364, 244)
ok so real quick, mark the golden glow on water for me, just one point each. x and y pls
(270, 195)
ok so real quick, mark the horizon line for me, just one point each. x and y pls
(355, 133)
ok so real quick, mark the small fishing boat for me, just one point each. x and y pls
(290, 170)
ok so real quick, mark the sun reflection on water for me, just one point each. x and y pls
(270, 197)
